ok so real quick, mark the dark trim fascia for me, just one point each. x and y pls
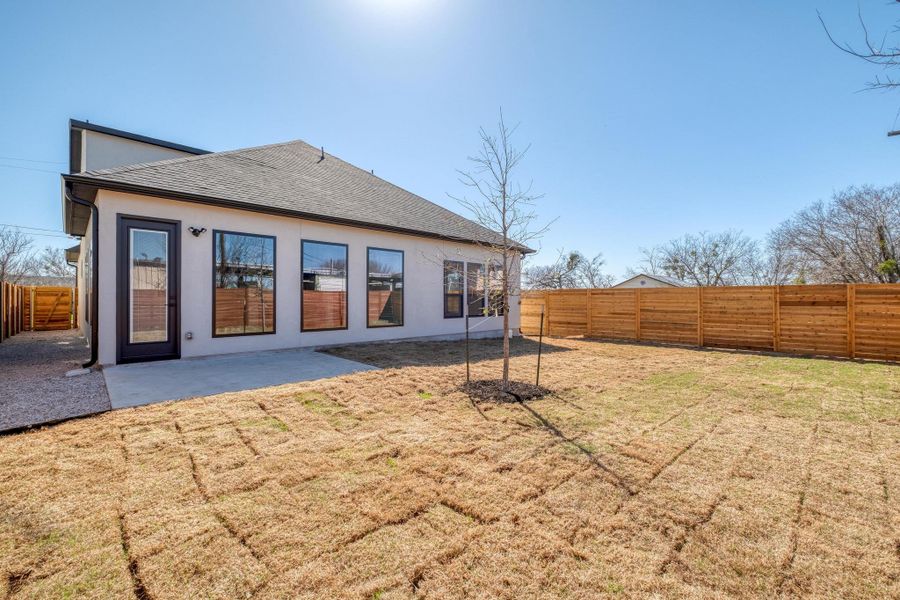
(269, 210)
(135, 137)
(402, 290)
(74, 149)
(95, 275)
(215, 335)
(346, 285)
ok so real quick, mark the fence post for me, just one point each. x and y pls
(637, 314)
(851, 320)
(699, 315)
(587, 309)
(537, 377)
(776, 318)
(549, 313)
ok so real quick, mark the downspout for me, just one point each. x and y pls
(95, 281)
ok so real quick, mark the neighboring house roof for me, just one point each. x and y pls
(47, 281)
(661, 278)
(293, 179)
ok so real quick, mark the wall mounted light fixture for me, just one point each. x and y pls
(196, 231)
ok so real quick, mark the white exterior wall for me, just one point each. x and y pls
(82, 284)
(423, 278)
(102, 151)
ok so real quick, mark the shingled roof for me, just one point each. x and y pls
(293, 179)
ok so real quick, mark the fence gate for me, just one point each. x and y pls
(49, 308)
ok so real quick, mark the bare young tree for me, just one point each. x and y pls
(502, 205)
(854, 238)
(705, 259)
(16, 256)
(883, 53)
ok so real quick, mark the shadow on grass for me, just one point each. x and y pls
(591, 456)
(440, 353)
(725, 350)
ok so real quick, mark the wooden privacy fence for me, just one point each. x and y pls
(32, 308)
(855, 320)
(11, 310)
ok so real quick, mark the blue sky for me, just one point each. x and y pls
(647, 120)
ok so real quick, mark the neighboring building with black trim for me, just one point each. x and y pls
(199, 252)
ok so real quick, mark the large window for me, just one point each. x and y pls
(244, 284)
(496, 304)
(324, 290)
(454, 284)
(385, 288)
(475, 289)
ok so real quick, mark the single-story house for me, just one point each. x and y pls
(186, 252)
(643, 280)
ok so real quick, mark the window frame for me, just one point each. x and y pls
(402, 290)
(462, 307)
(274, 283)
(346, 286)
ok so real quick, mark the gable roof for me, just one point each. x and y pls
(291, 179)
(661, 278)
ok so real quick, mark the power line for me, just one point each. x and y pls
(48, 162)
(30, 169)
(35, 228)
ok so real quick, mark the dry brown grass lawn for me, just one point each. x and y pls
(651, 470)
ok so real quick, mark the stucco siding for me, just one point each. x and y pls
(423, 277)
(102, 151)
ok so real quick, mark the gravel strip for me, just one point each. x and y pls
(34, 388)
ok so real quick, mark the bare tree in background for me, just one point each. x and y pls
(779, 264)
(882, 53)
(854, 238)
(16, 256)
(705, 259)
(502, 205)
(569, 270)
(51, 262)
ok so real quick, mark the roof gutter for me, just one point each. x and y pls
(211, 200)
(95, 269)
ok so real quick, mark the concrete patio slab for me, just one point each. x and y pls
(147, 383)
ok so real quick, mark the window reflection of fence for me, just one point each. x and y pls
(244, 310)
(324, 309)
(385, 307)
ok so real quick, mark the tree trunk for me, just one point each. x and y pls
(505, 307)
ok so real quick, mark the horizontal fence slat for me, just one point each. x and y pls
(828, 320)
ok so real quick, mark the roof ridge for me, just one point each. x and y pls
(183, 159)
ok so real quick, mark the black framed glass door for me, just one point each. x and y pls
(147, 289)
